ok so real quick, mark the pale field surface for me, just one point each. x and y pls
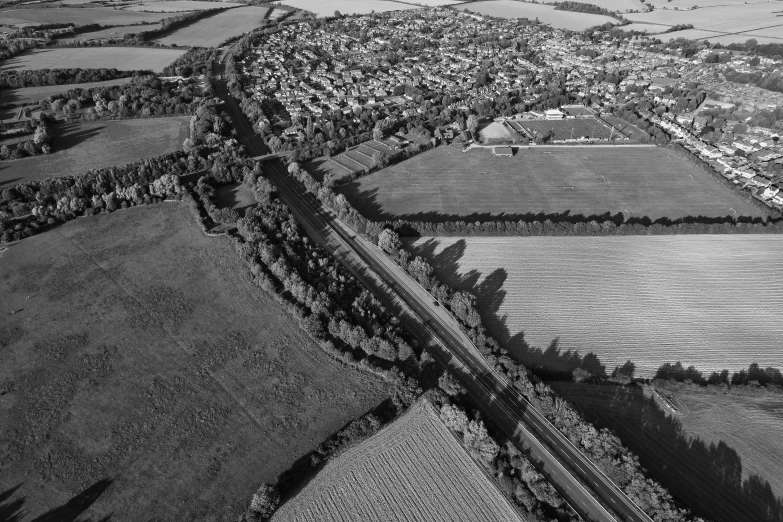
(347, 7)
(545, 14)
(175, 6)
(414, 469)
(433, 3)
(723, 457)
(216, 28)
(277, 13)
(723, 18)
(79, 16)
(637, 26)
(79, 147)
(687, 4)
(111, 32)
(146, 356)
(711, 301)
(742, 38)
(36, 94)
(121, 58)
(762, 36)
(495, 130)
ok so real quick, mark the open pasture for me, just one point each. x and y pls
(121, 58)
(36, 94)
(116, 33)
(79, 16)
(559, 303)
(347, 7)
(414, 469)
(214, 29)
(545, 14)
(728, 17)
(146, 357)
(79, 147)
(433, 3)
(174, 6)
(723, 455)
(444, 184)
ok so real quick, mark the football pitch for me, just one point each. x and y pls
(572, 128)
(445, 184)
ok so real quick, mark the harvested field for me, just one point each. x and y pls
(616, 5)
(495, 131)
(559, 303)
(723, 456)
(347, 7)
(214, 29)
(145, 359)
(121, 58)
(36, 94)
(79, 147)
(545, 13)
(434, 3)
(79, 16)
(444, 184)
(727, 17)
(174, 6)
(416, 459)
(112, 33)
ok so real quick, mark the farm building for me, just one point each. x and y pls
(503, 151)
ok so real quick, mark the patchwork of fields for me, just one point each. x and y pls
(79, 16)
(146, 359)
(445, 183)
(723, 456)
(79, 147)
(545, 14)
(215, 29)
(597, 302)
(412, 470)
(121, 58)
(346, 7)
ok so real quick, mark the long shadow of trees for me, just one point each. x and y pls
(706, 477)
(12, 509)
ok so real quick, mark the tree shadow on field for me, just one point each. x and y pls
(706, 477)
(11, 509)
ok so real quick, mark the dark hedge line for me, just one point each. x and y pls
(45, 77)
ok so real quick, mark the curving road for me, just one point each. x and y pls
(554, 455)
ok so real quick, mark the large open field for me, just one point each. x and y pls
(214, 29)
(79, 16)
(174, 6)
(711, 301)
(347, 7)
(145, 359)
(445, 184)
(121, 58)
(723, 456)
(36, 94)
(412, 470)
(117, 33)
(79, 147)
(545, 14)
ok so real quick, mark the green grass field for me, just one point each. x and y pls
(36, 94)
(213, 30)
(121, 58)
(140, 353)
(723, 457)
(79, 147)
(445, 183)
(79, 16)
(115, 33)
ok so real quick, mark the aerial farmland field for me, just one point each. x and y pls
(146, 359)
(722, 454)
(346, 7)
(79, 147)
(121, 58)
(174, 6)
(416, 459)
(36, 94)
(727, 17)
(545, 13)
(559, 303)
(79, 16)
(445, 183)
(214, 29)
(111, 32)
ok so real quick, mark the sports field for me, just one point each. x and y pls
(445, 183)
(545, 14)
(214, 29)
(121, 58)
(722, 454)
(145, 357)
(79, 147)
(568, 129)
(711, 301)
(36, 94)
(79, 16)
(346, 7)
(414, 469)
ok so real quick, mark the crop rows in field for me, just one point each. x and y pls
(412, 470)
(708, 301)
(215, 29)
(79, 16)
(443, 184)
